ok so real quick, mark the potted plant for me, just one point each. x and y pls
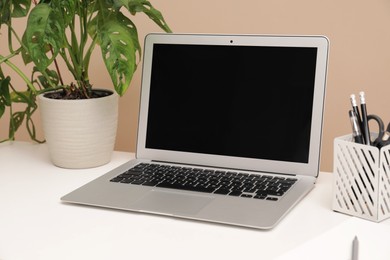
(70, 31)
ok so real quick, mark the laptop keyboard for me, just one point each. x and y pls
(209, 181)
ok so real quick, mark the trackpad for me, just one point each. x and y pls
(173, 203)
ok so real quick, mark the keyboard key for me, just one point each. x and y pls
(117, 179)
(185, 187)
(150, 183)
(275, 193)
(130, 180)
(137, 182)
(235, 193)
(222, 191)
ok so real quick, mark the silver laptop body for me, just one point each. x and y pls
(247, 105)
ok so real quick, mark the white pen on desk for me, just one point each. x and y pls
(355, 249)
(365, 128)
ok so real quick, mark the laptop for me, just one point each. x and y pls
(229, 130)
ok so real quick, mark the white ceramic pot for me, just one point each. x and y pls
(80, 133)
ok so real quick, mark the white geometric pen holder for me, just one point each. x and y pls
(361, 185)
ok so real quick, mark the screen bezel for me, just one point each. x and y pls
(309, 169)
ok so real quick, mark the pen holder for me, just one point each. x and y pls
(361, 182)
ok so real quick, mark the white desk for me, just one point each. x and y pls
(34, 224)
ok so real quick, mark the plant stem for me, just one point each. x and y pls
(51, 89)
(4, 59)
(19, 72)
(68, 64)
(57, 67)
(15, 35)
(73, 48)
(87, 56)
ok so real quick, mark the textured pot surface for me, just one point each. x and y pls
(80, 133)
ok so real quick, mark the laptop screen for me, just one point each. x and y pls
(243, 101)
(246, 102)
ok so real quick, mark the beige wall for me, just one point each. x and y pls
(359, 32)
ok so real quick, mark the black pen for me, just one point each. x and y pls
(356, 133)
(365, 128)
(356, 110)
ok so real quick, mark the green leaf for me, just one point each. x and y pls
(118, 39)
(5, 12)
(20, 8)
(26, 97)
(16, 121)
(43, 80)
(136, 6)
(66, 10)
(44, 28)
(5, 98)
(30, 123)
(16, 97)
(2, 109)
(25, 53)
(13, 8)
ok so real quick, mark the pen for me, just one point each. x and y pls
(365, 129)
(355, 249)
(356, 109)
(356, 133)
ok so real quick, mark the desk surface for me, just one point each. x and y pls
(34, 224)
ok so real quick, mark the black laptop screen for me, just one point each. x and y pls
(242, 101)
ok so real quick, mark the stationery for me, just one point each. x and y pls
(336, 243)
